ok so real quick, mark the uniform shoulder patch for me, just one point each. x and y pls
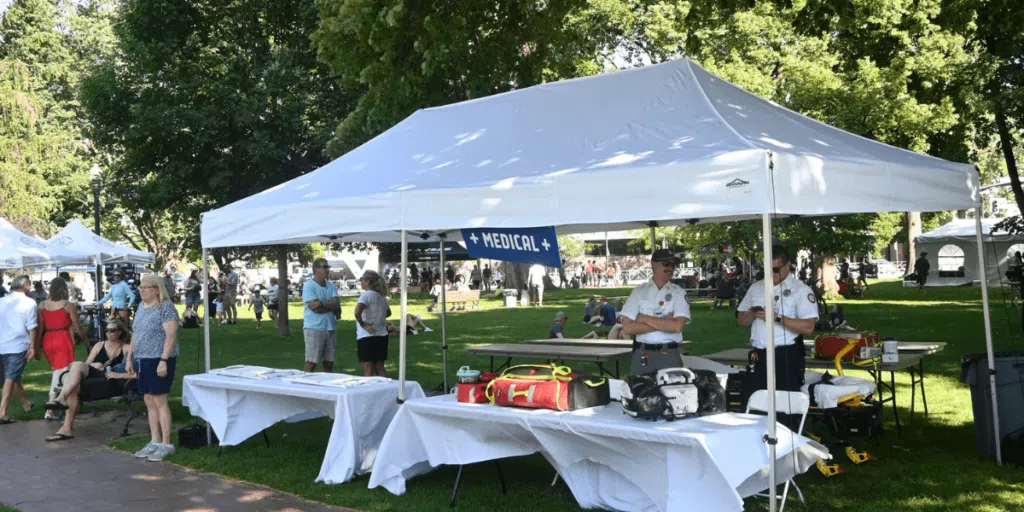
(812, 298)
(668, 296)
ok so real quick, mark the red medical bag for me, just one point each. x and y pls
(828, 346)
(548, 387)
(475, 393)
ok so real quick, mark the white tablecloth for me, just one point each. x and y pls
(609, 460)
(238, 408)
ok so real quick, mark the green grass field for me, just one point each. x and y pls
(934, 467)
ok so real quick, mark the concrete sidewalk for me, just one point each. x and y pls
(82, 474)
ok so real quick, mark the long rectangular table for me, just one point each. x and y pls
(912, 362)
(555, 352)
(608, 460)
(238, 409)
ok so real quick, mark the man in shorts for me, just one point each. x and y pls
(18, 326)
(230, 297)
(320, 298)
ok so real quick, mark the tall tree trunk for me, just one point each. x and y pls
(913, 231)
(282, 292)
(515, 276)
(829, 276)
(1006, 143)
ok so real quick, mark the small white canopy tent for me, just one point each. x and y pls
(952, 256)
(76, 236)
(668, 143)
(18, 250)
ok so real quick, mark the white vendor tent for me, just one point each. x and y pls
(96, 249)
(669, 144)
(954, 259)
(18, 250)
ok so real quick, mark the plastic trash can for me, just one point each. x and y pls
(1009, 392)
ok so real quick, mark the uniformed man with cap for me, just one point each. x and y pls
(655, 315)
(795, 310)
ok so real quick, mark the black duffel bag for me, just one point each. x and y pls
(710, 393)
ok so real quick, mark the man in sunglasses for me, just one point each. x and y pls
(121, 293)
(655, 315)
(795, 310)
(318, 318)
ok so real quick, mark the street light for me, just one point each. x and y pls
(97, 175)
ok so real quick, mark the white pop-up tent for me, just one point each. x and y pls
(667, 144)
(95, 249)
(78, 237)
(954, 261)
(18, 250)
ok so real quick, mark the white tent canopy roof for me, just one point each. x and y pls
(79, 238)
(669, 143)
(964, 230)
(18, 250)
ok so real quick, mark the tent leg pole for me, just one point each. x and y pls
(206, 329)
(403, 325)
(988, 332)
(444, 326)
(653, 234)
(769, 306)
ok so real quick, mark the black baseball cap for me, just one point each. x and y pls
(662, 255)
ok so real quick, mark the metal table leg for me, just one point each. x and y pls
(895, 410)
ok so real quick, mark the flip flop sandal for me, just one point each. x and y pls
(31, 405)
(6, 421)
(59, 436)
(55, 406)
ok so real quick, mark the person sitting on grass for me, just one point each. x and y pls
(590, 310)
(557, 330)
(726, 293)
(102, 375)
(257, 305)
(412, 323)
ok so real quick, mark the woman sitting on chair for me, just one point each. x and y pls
(102, 375)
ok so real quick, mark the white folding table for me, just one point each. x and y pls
(608, 460)
(238, 409)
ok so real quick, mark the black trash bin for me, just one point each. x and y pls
(1009, 392)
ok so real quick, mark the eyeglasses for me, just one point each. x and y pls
(325, 267)
(776, 270)
(669, 263)
(113, 330)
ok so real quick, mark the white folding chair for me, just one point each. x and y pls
(786, 402)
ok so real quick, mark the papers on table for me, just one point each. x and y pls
(255, 372)
(334, 380)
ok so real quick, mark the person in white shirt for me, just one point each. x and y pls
(795, 311)
(536, 284)
(272, 301)
(656, 313)
(18, 326)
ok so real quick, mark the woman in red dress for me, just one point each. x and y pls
(57, 316)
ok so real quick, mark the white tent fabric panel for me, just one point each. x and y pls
(669, 143)
(946, 242)
(79, 238)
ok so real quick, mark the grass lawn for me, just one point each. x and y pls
(934, 467)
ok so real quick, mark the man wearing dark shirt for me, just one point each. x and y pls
(607, 313)
(557, 329)
(921, 268)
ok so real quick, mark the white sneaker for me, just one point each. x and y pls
(414, 331)
(427, 329)
(163, 451)
(147, 450)
(223, 322)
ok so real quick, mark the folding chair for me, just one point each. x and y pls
(786, 402)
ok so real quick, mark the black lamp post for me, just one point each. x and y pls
(97, 175)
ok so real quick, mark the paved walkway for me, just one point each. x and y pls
(82, 474)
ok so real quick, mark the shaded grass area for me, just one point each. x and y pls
(934, 467)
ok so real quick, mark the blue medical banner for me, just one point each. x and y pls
(524, 245)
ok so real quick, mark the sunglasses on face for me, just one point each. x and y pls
(324, 267)
(109, 330)
(669, 263)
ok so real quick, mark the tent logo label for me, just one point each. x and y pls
(64, 241)
(737, 183)
(104, 242)
(32, 243)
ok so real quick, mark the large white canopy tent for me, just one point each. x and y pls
(954, 263)
(667, 144)
(18, 250)
(99, 250)
(96, 250)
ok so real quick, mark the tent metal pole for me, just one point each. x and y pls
(404, 324)
(653, 241)
(206, 329)
(769, 315)
(444, 322)
(988, 332)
